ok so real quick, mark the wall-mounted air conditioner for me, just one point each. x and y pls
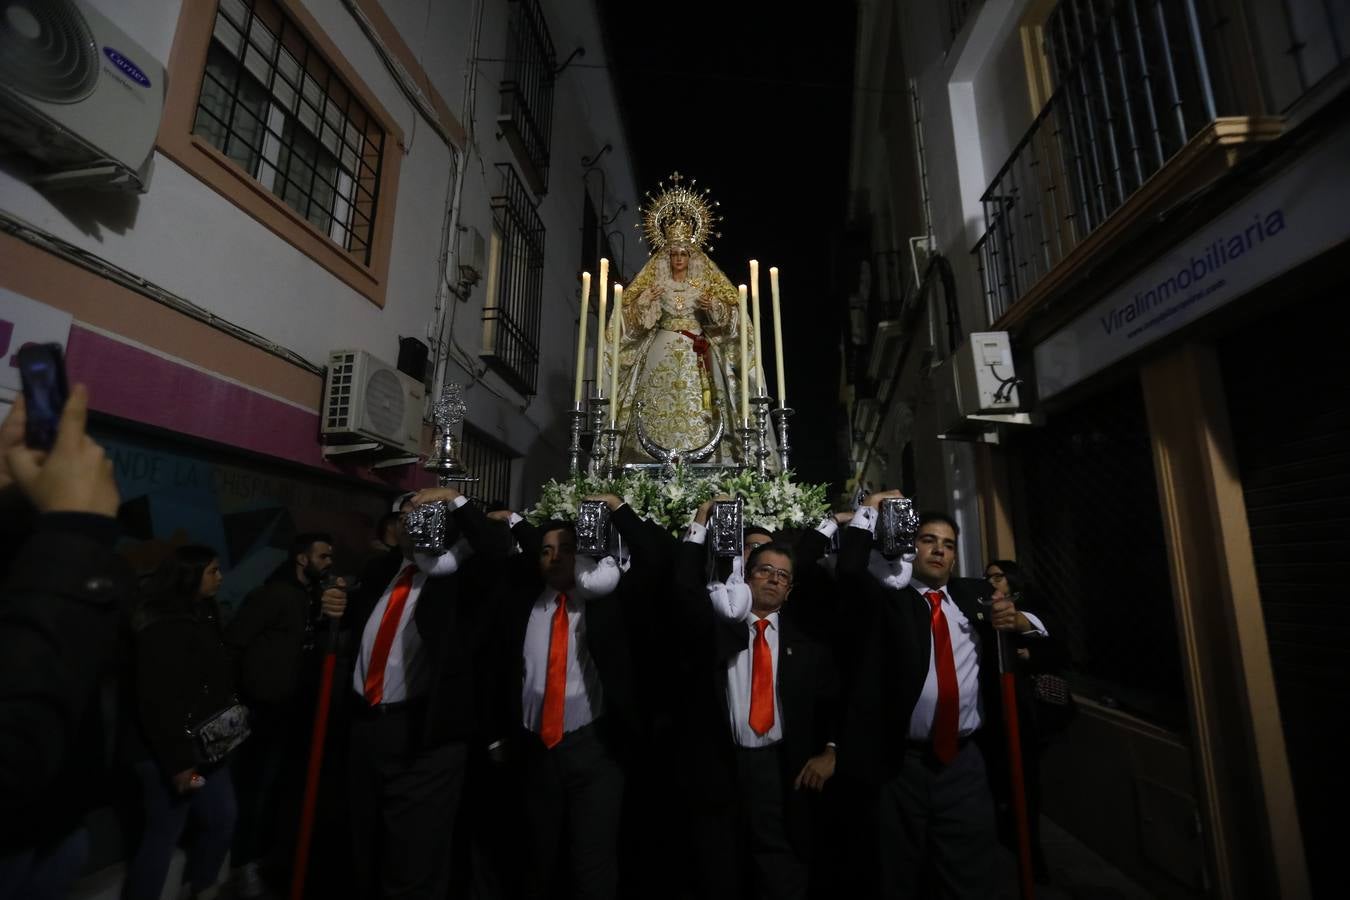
(369, 401)
(78, 95)
(976, 387)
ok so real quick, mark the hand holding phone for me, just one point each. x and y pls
(75, 476)
(44, 392)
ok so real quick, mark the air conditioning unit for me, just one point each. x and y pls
(366, 401)
(976, 387)
(78, 95)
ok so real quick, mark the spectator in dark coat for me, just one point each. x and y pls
(60, 599)
(272, 639)
(183, 676)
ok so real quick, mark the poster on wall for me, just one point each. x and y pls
(247, 511)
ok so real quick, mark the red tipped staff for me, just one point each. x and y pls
(1008, 680)
(316, 741)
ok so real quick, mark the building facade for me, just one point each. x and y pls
(420, 184)
(1148, 198)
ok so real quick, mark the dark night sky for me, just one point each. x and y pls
(755, 102)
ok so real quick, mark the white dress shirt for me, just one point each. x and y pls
(405, 668)
(965, 641)
(740, 679)
(584, 699)
(733, 605)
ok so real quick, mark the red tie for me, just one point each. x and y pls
(555, 678)
(946, 719)
(761, 683)
(384, 638)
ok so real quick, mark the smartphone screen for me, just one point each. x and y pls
(44, 392)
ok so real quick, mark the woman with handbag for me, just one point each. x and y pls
(188, 720)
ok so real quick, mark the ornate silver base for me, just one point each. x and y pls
(599, 452)
(762, 452)
(780, 419)
(747, 446)
(578, 417)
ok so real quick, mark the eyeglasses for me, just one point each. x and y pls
(769, 573)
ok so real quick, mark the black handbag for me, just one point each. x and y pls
(216, 736)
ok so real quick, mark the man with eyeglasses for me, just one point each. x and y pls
(924, 696)
(759, 720)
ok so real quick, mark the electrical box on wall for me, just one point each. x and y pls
(472, 255)
(976, 387)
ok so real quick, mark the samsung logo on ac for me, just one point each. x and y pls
(126, 67)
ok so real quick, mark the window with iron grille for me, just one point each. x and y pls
(491, 462)
(527, 91)
(515, 285)
(272, 104)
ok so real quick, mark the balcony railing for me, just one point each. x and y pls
(1135, 82)
(527, 91)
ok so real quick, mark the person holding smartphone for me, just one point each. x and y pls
(60, 599)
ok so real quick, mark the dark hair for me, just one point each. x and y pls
(1017, 580)
(173, 585)
(772, 547)
(303, 542)
(755, 529)
(934, 515)
(556, 525)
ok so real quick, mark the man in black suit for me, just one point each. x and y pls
(758, 721)
(925, 687)
(568, 703)
(415, 625)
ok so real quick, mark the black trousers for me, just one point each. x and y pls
(778, 872)
(403, 798)
(572, 795)
(943, 815)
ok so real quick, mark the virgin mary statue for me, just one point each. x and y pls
(678, 375)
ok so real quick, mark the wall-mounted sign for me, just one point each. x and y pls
(1297, 215)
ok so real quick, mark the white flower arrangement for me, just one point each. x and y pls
(773, 503)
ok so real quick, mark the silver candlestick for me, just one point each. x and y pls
(762, 451)
(611, 452)
(747, 446)
(780, 419)
(578, 417)
(599, 416)
(427, 524)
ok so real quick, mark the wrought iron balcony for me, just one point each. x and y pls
(1141, 86)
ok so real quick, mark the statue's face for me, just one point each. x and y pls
(679, 260)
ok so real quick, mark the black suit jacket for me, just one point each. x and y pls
(806, 679)
(450, 618)
(893, 640)
(614, 624)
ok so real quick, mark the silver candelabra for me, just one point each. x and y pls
(780, 419)
(762, 451)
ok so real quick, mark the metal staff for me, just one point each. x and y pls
(1012, 729)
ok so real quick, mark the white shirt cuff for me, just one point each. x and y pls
(1037, 626)
(458, 502)
(828, 526)
(696, 534)
(515, 519)
(865, 518)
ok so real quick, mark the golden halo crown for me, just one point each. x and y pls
(679, 214)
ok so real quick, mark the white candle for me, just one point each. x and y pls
(745, 359)
(778, 336)
(759, 332)
(614, 356)
(600, 332)
(581, 337)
